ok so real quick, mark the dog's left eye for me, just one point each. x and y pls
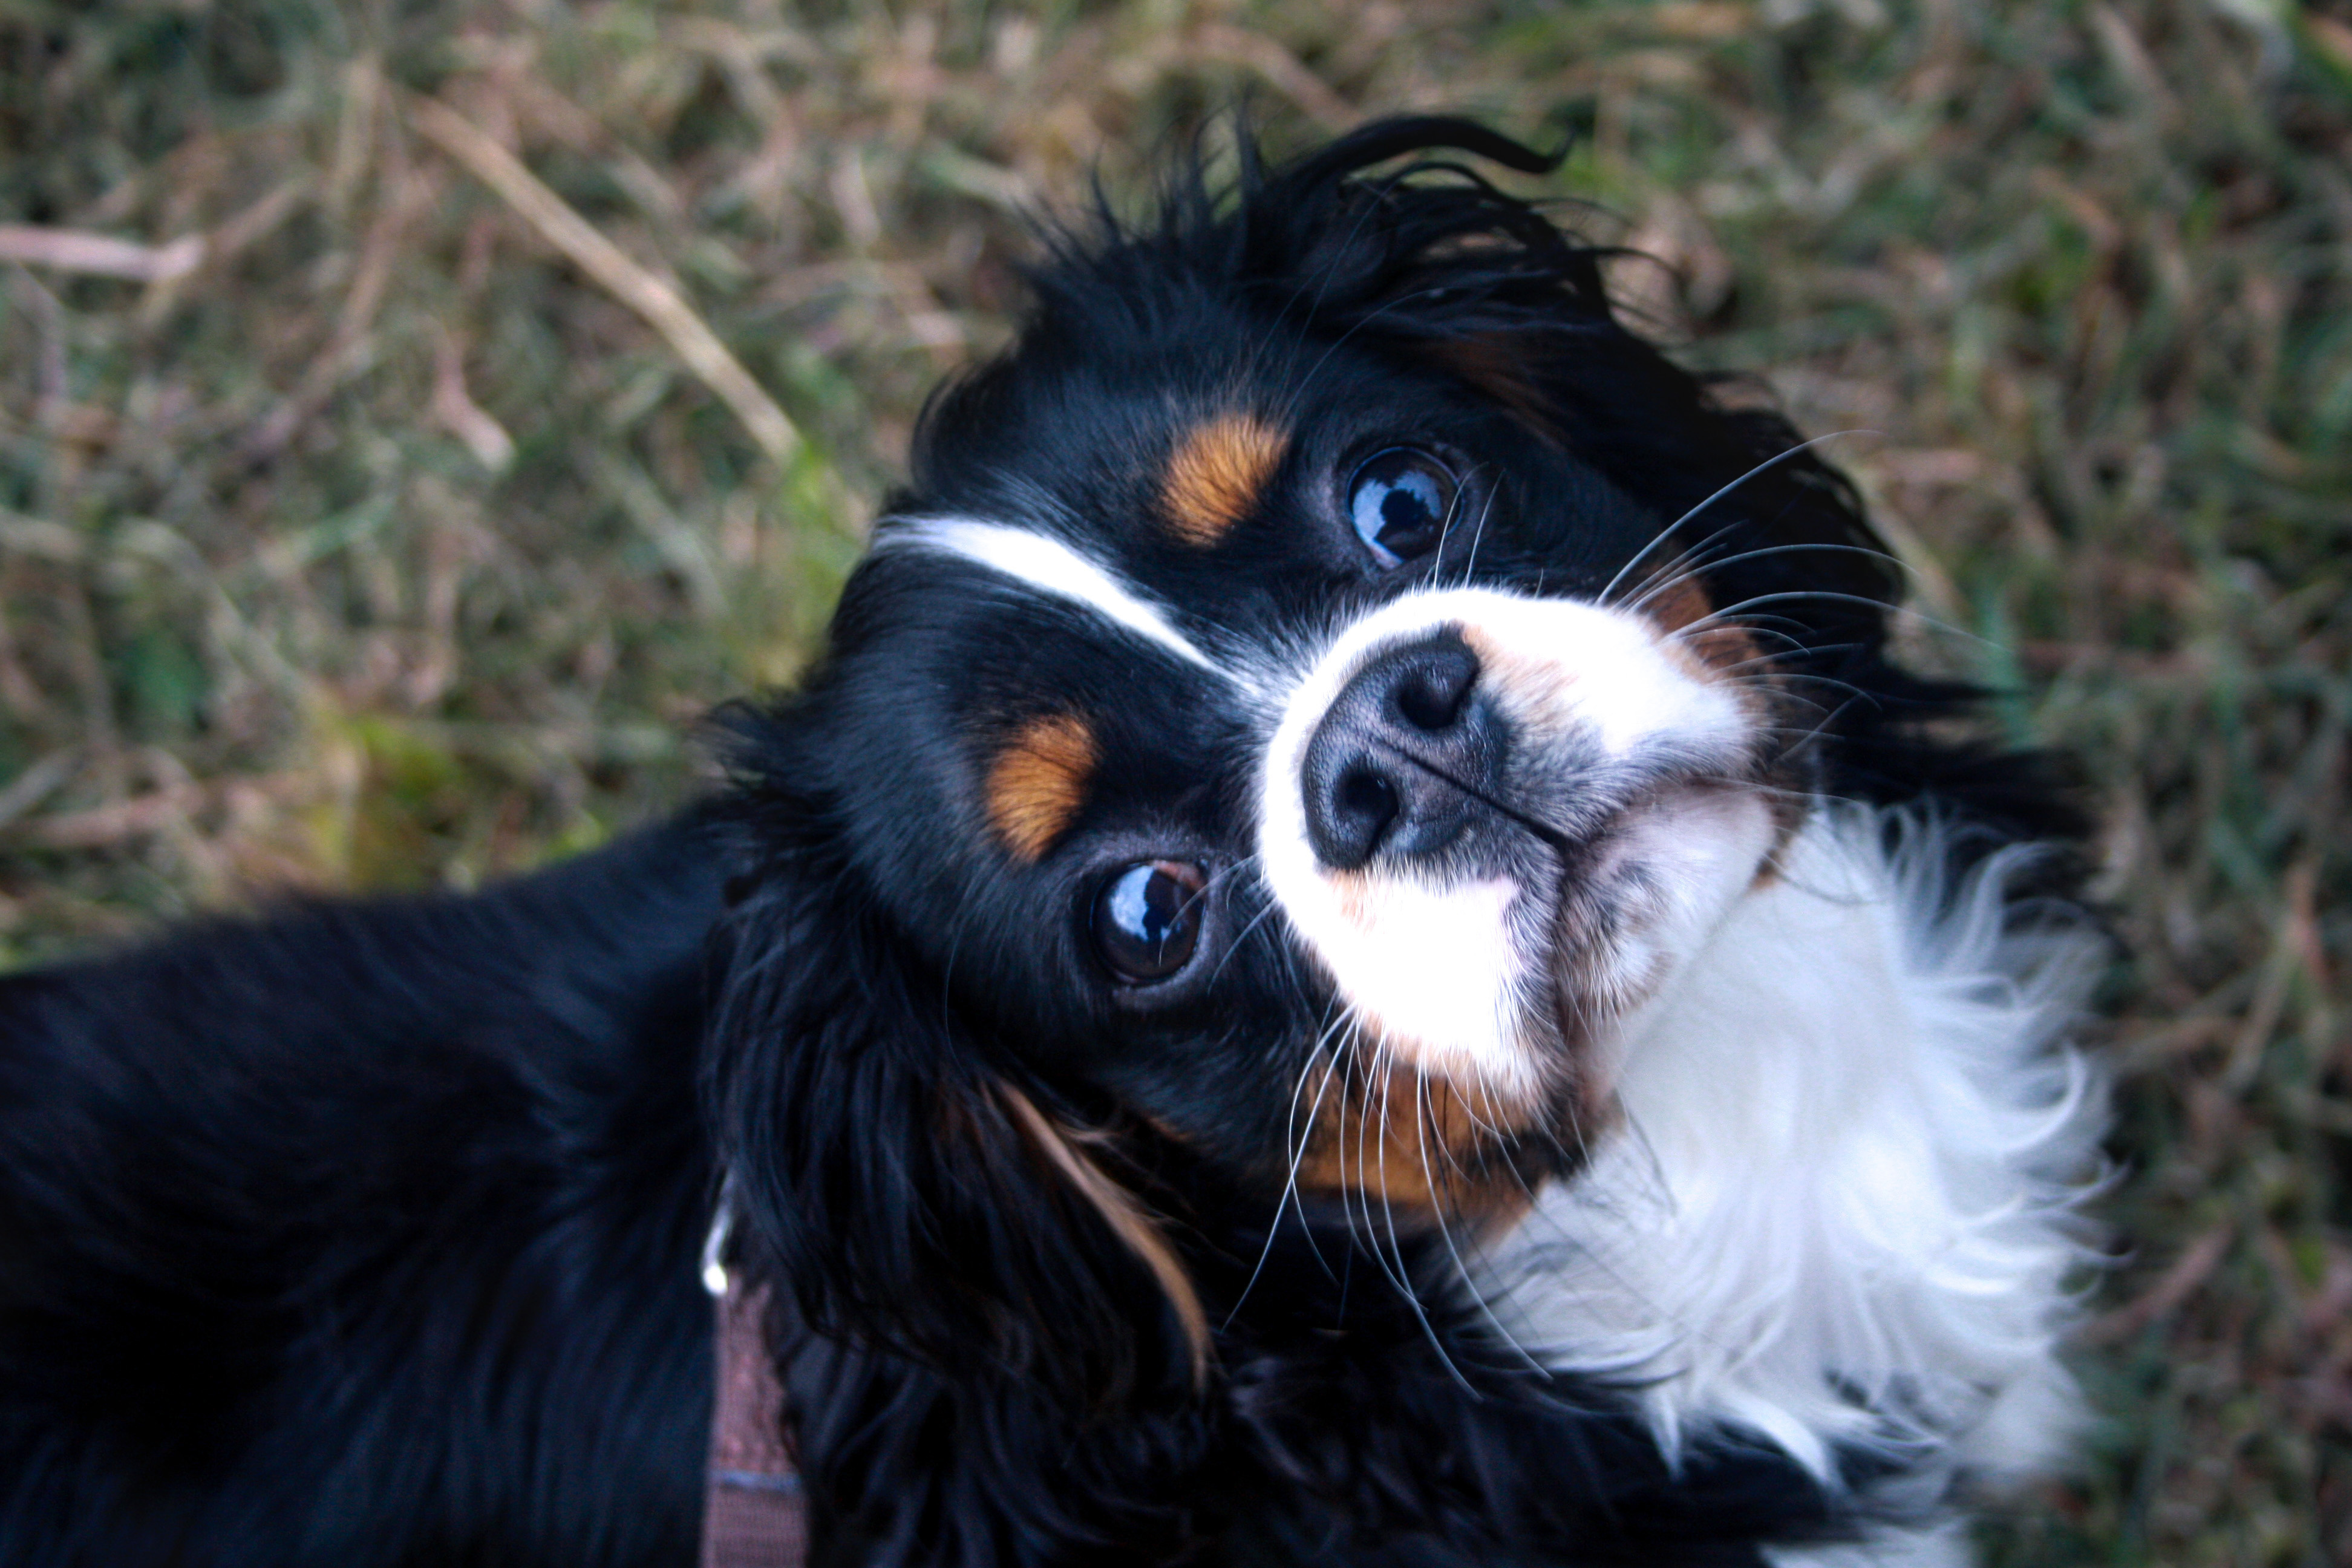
(1399, 501)
(1147, 920)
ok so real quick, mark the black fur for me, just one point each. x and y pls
(365, 1235)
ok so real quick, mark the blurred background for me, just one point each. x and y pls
(413, 417)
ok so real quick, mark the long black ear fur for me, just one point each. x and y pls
(965, 1293)
(914, 1190)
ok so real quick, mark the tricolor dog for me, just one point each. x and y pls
(1355, 952)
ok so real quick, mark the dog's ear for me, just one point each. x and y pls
(1438, 264)
(896, 1172)
(1431, 262)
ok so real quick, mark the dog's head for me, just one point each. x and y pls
(1322, 680)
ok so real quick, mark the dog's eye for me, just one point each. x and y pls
(1147, 920)
(1399, 501)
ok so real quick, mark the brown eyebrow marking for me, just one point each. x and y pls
(1038, 781)
(1214, 478)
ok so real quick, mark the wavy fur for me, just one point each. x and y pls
(1843, 1204)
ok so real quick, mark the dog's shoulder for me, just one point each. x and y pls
(362, 1223)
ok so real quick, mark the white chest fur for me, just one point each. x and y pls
(1839, 1207)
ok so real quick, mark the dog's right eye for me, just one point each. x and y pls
(1400, 501)
(1147, 920)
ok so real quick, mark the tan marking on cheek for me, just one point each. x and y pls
(1498, 660)
(1704, 653)
(1418, 1144)
(1217, 475)
(1353, 892)
(1038, 781)
(1678, 606)
(1731, 654)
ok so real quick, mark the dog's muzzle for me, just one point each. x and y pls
(1401, 758)
(1496, 821)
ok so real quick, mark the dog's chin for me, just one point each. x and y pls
(1447, 1096)
(1638, 898)
(1634, 899)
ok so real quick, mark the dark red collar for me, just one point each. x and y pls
(753, 1514)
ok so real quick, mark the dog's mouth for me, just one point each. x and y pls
(1581, 920)
(1598, 899)
(1638, 893)
(1439, 1131)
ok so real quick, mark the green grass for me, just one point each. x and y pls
(387, 548)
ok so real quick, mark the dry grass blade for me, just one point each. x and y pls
(73, 250)
(661, 306)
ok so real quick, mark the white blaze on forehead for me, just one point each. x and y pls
(1049, 566)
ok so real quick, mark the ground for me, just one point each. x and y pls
(392, 509)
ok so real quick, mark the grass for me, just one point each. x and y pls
(390, 546)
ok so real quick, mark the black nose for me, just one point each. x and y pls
(1398, 757)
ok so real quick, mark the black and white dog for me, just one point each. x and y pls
(1354, 953)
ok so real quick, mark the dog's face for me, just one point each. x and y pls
(1268, 747)
(1299, 733)
(1285, 710)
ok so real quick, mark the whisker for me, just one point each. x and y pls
(1756, 625)
(1387, 1075)
(1492, 1129)
(1660, 586)
(1364, 1164)
(1470, 562)
(1344, 1056)
(1848, 686)
(1774, 658)
(1234, 947)
(1667, 531)
(1367, 1240)
(1445, 1231)
(1297, 1153)
(1826, 595)
(1829, 717)
(1685, 564)
(1403, 1271)
(1758, 786)
(1444, 533)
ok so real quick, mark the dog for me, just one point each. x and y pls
(1356, 951)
